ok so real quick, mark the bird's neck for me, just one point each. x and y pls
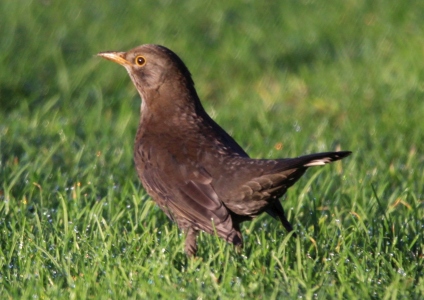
(170, 112)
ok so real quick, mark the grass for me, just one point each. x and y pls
(285, 79)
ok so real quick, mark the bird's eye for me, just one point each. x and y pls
(140, 60)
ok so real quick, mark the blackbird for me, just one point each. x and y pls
(195, 171)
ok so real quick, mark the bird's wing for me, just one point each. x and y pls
(272, 184)
(197, 202)
(254, 195)
(200, 204)
(187, 196)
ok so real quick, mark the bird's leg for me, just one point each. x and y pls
(285, 222)
(190, 247)
(279, 210)
(238, 239)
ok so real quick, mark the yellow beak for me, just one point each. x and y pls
(117, 57)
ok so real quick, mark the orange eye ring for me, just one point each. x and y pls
(140, 61)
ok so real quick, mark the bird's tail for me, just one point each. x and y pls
(319, 159)
(316, 159)
(293, 169)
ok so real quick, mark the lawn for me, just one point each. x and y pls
(284, 78)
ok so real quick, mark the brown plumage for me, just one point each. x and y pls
(197, 174)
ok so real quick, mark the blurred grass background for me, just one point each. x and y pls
(284, 78)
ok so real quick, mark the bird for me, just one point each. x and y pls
(198, 175)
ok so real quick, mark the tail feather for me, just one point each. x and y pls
(319, 159)
(316, 159)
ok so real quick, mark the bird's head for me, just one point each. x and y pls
(158, 73)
